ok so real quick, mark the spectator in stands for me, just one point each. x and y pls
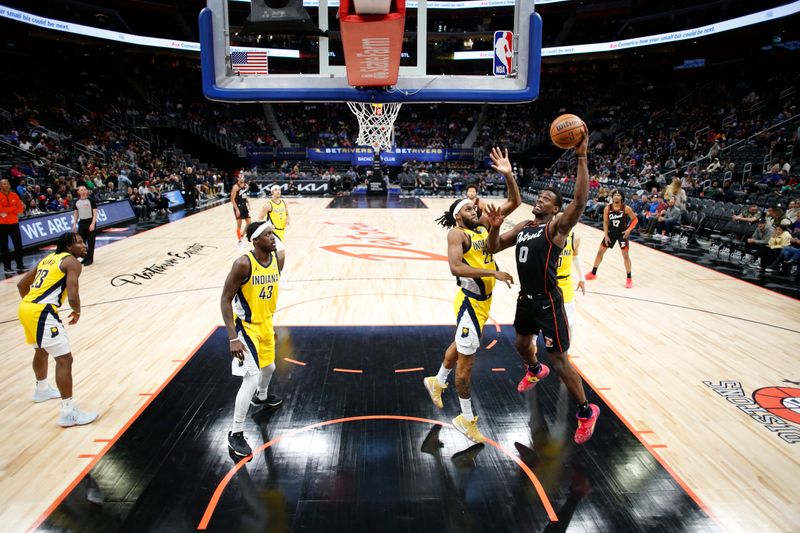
(638, 207)
(668, 218)
(10, 209)
(781, 238)
(728, 194)
(123, 181)
(596, 206)
(714, 167)
(675, 192)
(793, 210)
(751, 214)
(759, 239)
(776, 217)
(654, 208)
(714, 191)
(791, 254)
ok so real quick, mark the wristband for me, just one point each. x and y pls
(233, 340)
(76, 313)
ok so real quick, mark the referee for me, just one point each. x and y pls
(84, 219)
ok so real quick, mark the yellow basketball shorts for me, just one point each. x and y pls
(43, 328)
(567, 289)
(471, 315)
(259, 344)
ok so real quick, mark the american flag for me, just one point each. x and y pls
(249, 63)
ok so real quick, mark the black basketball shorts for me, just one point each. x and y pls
(617, 238)
(545, 315)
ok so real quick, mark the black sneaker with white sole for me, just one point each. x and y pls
(238, 445)
(270, 401)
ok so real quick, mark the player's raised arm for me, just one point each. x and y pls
(572, 213)
(501, 164)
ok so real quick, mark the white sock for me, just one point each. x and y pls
(442, 375)
(243, 397)
(67, 405)
(263, 380)
(466, 409)
(42, 386)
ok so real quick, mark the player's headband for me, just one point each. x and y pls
(460, 205)
(261, 229)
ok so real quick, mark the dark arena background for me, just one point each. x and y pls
(693, 365)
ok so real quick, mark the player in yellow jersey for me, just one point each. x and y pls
(276, 211)
(43, 290)
(476, 273)
(568, 258)
(251, 293)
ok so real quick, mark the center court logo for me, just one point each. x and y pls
(372, 244)
(775, 408)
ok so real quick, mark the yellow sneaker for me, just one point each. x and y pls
(434, 390)
(469, 429)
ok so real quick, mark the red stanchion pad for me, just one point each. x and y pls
(372, 44)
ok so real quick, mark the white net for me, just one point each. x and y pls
(375, 124)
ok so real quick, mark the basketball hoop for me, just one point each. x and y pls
(375, 124)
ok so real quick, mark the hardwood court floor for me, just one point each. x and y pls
(654, 353)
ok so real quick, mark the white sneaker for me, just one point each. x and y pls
(49, 393)
(76, 418)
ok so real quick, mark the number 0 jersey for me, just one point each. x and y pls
(478, 256)
(50, 284)
(256, 299)
(537, 260)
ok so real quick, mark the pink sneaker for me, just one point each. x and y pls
(629, 283)
(530, 379)
(586, 425)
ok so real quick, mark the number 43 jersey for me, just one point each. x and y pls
(478, 256)
(257, 298)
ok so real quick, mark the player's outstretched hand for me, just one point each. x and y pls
(494, 216)
(73, 318)
(582, 287)
(500, 161)
(505, 277)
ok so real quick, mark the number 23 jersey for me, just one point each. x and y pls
(257, 298)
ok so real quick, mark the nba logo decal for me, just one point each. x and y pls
(503, 53)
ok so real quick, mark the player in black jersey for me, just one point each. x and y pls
(618, 222)
(540, 306)
(241, 209)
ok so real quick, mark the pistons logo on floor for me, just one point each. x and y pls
(780, 401)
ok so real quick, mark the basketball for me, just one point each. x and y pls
(565, 131)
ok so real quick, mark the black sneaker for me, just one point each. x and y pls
(238, 445)
(270, 401)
